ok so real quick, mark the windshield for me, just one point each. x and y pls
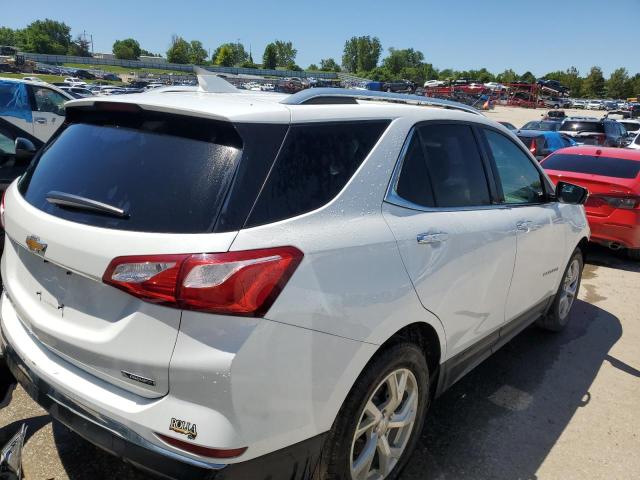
(592, 164)
(543, 126)
(582, 126)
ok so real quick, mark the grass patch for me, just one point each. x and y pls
(54, 78)
(44, 78)
(124, 70)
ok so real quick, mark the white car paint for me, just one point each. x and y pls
(271, 382)
(40, 121)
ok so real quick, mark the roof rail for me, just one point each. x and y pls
(327, 96)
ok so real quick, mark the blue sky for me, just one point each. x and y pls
(539, 35)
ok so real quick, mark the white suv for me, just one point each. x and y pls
(250, 285)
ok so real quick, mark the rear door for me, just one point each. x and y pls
(169, 176)
(457, 245)
(538, 222)
(48, 111)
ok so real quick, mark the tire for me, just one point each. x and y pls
(558, 315)
(388, 90)
(634, 254)
(556, 107)
(402, 360)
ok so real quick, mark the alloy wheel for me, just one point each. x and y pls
(569, 288)
(385, 426)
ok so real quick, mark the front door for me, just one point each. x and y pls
(457, 245)
(537, 220)
(48, 111)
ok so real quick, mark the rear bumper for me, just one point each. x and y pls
(295, 462)
(621, 227)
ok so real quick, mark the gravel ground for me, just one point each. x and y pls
(546, 406)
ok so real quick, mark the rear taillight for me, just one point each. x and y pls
(2, 209)
(600, 138)
(233, 283)
(532, 146)
(625, 203)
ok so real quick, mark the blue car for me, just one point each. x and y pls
(542, 143)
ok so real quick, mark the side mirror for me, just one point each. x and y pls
(570, 193)
(25, 149)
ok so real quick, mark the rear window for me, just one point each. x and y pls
(595, 165)
(527, 141)
(166, 173)
(582, 126)
(316, 161)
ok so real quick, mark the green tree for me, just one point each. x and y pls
(313, 67)
(178, 51)
(528, 77)
(270, 57)
(508, 76)
(45, 36)
(635, 85)
(80, 47)
(594, 84)
(197, 53)
(225, 56)
(329, 65)
(285, 53)
(447, 74)
(127, 49)
(147, 53)
(619, 84)
(234, 53)
(361, 54)
(8, 36)
(400, 59)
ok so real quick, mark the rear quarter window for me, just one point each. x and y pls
(315, 163)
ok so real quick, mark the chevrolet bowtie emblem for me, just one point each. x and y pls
(35, 245)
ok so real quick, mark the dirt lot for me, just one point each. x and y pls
(546, 406)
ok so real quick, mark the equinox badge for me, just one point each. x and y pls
(35, 245)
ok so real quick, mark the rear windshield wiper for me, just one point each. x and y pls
(81, 203)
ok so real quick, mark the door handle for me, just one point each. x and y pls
(438, 237)
(524, 226)
(40, 120)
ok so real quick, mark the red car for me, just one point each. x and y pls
(612, 176)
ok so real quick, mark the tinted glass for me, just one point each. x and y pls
(315, 163)
(519, 178)
(49, 101)
(165, 183)
(630, 127)
(582, 126)
(413, 183)
(7, 144)
(596, 165)
(455, 167)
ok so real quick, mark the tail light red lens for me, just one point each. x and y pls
(532, 146)
(625, 203)
(232, 283)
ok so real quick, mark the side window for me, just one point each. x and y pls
(413, 183)
(455, 166)
(7, 144)
(316, 161)
(520, 179)
(48, 101)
